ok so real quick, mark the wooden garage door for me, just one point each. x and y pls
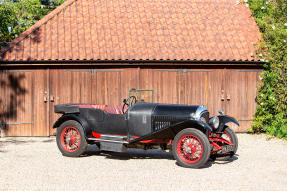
(17, 106)
(240, 95)
(22, 102)
(98, 86)
(185, 86)
(203, 87)
(232, 90)
(68, 86)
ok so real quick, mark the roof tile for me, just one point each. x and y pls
(141, 30)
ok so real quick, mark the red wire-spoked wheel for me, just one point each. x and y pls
(70, 139)
(227, 137)
(189, 149)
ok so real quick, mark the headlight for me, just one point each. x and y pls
(214, 121)
(202, 119)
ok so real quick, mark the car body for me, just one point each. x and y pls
(189, 131)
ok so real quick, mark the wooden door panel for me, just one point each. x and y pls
(240, 95)
(106, 87)
(40, 103)
(110, 86)
(194, 85)
(129, 79)
(16, 103)
(203, 87)
(68, 86)
(165, 84)
(215, 89)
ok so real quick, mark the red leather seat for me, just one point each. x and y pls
(102, 107)
(114, 109)
(109, 109)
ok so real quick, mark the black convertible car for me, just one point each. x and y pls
(188, 131)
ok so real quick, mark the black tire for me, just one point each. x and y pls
(234, 140)
(182, 157)
(63, 142)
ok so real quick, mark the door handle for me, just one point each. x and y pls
(52, 99)
(222, 95)
(45, 99)
(228, 97)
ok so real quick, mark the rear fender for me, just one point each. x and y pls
(223, 119)
(67, 117)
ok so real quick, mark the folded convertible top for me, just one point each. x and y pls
(67, 108)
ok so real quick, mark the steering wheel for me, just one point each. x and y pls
(132, 99)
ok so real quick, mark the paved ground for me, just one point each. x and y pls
(37, 164)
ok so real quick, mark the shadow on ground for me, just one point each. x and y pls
(129, 154)
(20, 141)
(233, 158)
(6, 142)
(210, 162)
(147, 154)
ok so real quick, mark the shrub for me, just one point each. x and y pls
(271, 112)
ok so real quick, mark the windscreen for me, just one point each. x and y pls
(141, 95)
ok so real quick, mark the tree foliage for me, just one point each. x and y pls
(18, 15)
(271, 112)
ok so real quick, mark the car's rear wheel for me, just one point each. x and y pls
(191, 148)
(71, 139)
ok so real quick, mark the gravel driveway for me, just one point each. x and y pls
(37, 164)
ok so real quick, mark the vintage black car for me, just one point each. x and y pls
(188, 131)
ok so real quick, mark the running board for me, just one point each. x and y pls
(111, 143)
(107, 140)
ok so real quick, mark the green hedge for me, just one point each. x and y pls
(271, 112)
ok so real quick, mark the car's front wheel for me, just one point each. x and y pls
(191, 148)
(71, 139)
(230, 136)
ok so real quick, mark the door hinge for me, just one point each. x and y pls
(12, 71)
(17, 123)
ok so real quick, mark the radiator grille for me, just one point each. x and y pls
(161, 122)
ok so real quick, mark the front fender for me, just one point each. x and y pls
(223, 119)
(204, 125)
(67, 117)
(205, 128)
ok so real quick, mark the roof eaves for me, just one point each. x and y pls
(134, 61)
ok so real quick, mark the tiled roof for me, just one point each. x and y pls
(140, 30)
